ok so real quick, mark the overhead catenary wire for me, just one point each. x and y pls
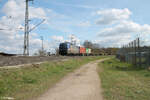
(36, 25)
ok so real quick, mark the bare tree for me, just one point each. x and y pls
(57, 51)
(87, 44)
(41, 53)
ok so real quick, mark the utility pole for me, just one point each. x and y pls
(71, 37)
(26, 30)
(73, 41)
(42, 43)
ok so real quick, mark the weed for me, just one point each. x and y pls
(29, 82)
(122, 81)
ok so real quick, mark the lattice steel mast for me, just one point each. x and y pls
(26, 30)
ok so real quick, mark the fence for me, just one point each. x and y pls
(135, 54)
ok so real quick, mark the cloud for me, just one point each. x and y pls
(58, 38)
(59, 21)
(124, 28)
(113, 41)
(84, 24)
(123, 31)
(75, 39)
(16, 9)
(111, 16)
(11, 37)
(76, 6)
(37, 13)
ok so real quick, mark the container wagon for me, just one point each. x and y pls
(69, 49)
(73, 50)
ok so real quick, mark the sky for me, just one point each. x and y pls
(110, 23)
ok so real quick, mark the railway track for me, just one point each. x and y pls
(6, 61)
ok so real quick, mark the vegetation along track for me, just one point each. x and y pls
(29, 82)
(122, 81)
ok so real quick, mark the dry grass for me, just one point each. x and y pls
(28, 82)
(122, 81)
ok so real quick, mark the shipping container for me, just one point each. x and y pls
(82, 50)
(87, 50)
(73, 50)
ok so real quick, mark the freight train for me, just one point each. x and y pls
(69, 49)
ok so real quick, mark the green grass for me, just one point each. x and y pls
(122, 81)
(29, 82)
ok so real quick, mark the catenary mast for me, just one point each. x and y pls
(26, 30)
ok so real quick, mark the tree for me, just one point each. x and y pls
(87, 44)
(96, 46)
(41, 53)
(57, 51)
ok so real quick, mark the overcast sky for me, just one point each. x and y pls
(107, 22)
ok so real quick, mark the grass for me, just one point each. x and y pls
(29, 82)
(122, 81)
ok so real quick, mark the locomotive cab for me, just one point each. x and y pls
(63, 48)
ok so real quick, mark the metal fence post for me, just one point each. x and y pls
(139, 52)
(135, 51)
(132, 43)
(130, 52)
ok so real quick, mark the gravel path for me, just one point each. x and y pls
(83, 84)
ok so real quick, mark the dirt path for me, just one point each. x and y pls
(83, 84)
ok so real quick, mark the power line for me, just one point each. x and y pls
(36, 25)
